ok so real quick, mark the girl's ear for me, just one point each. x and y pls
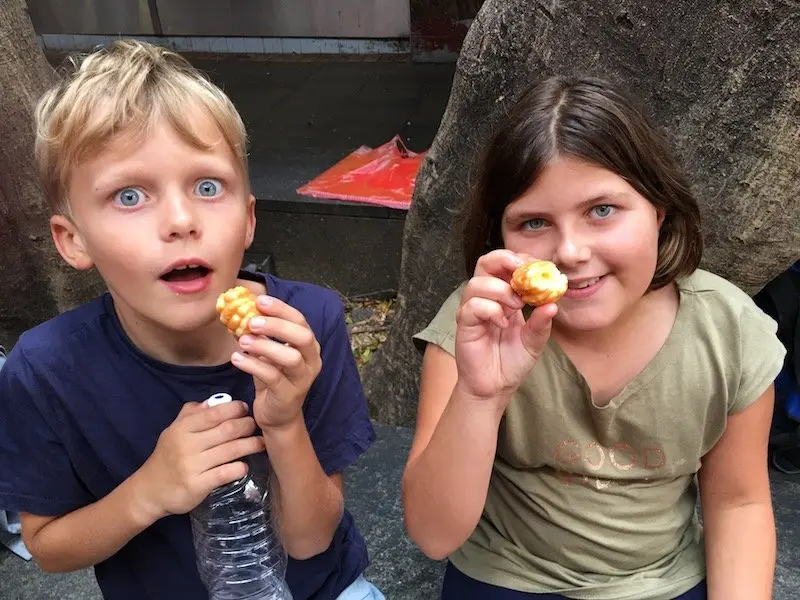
(661, 214)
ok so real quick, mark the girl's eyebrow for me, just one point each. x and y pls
(605, 197)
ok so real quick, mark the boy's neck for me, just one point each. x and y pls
(209, 345)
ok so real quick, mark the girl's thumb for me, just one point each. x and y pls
(537, 329)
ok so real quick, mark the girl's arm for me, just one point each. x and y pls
(461, 403)
(447, 475)
(737, 507)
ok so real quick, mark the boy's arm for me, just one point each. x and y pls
(308, 502)
(88, 535)
(192, 457)
(310, 433)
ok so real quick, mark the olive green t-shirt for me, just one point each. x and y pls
(599, 502)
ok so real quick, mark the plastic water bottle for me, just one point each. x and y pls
(239, 553)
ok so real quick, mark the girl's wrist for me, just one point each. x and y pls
(494, 404)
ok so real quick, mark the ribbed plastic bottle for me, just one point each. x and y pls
(239, 553)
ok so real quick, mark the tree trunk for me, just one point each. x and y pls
(35, 283)
(723, 78)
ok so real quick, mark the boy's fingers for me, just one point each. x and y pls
(226, 431)
(273, 307)
(190, 408)
(222, 475)
(231, 451)
(210, 417)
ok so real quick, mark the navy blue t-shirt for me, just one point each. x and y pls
(81, 409)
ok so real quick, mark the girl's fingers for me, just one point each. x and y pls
(537, 329)
(494, 289)
(498, 263)
(479, 311)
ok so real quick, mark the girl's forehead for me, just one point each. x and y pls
(562, 184)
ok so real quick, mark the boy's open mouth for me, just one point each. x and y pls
(187, 273)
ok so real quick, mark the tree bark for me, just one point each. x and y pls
(35, 283)
(722, 78)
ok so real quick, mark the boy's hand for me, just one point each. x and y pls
(283, 356)
(195, 454)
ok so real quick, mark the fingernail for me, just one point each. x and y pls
(264, 300)
(258, 322)
(237, 358)
(245, 340)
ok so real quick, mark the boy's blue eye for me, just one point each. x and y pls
(129, 197)
(603, 210)
(208, 188)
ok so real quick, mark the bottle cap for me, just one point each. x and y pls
(219, 398)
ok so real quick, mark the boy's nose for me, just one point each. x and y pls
(180, 218)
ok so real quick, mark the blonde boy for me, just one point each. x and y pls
(105, 444)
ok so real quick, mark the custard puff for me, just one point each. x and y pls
(539, 282)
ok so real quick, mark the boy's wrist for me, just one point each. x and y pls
(141, 509)
(286, 434)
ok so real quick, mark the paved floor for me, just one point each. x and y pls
(402, 572)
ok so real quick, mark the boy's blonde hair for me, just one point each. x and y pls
(123, 90)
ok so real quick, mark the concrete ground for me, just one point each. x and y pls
(398, 568)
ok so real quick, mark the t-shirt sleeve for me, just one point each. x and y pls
(36, 474)
(441, 331)
(761, 356)
(336, 410)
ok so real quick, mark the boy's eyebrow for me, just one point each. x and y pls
(113, 179)
(517, 213)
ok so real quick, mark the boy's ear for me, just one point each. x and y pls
(69, 243)
(660, 215)
(251, 220)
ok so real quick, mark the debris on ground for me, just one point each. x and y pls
(368, 322)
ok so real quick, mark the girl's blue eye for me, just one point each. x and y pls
(535, 224)
(603, 210)
(208, 188)
(129, 197)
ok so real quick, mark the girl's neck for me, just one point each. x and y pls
(627, 328)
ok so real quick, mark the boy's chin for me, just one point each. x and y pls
(188, 323)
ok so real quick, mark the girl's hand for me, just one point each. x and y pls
(495, 348)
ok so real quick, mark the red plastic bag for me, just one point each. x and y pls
(384, 176)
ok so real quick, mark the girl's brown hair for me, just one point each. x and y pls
(592, 120)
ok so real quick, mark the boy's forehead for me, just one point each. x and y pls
(124, 153)
(199, 131)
